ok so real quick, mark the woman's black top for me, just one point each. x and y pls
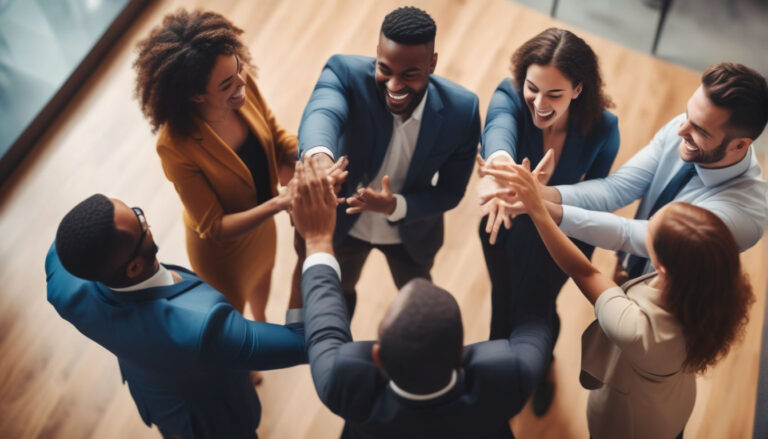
(254, 157)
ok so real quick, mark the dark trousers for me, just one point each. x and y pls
(352, 253)
(525, 280)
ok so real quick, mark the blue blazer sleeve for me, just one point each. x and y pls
(454, 175)
(502, 120)
(608, 140)
(228, 339)
(327, 111)
(327, 331)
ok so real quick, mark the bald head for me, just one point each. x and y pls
(421, 338)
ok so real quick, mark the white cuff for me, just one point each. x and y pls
(294, 315)
(499, 153)
(318, 150)
(401, 208)
(321, 258)
(572, 218)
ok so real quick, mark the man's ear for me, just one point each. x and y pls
(134, 268)
(433, 63)
(376, 357)
(740, 143)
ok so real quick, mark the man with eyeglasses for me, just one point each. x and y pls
(183, 349)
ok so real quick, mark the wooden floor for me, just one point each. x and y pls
(55, 383)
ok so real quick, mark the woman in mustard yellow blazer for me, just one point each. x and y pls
(221, 148)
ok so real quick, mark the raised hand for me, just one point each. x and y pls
(313, 207)
(337, 173)
(367, 199)
(525, 186)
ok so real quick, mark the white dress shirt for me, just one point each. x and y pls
(736, 194)
(374, 227)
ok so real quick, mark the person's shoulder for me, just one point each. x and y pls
(452, 90)
(351, 62)
(610, 120)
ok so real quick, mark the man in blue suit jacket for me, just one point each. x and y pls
(417, 380)
(410, 138)
(183, 349)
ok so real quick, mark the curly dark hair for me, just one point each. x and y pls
(705, 288)
(577, 62)
(409, 25)
(175, 63)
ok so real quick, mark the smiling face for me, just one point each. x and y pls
(705, 139)
(402, 73)
(548, 94)
(226, 87)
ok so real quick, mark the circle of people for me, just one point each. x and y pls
(384, 148)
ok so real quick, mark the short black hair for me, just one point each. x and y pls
(423, 345)
(409, 25)
(86, 238)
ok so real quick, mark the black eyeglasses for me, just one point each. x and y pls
(144, 229)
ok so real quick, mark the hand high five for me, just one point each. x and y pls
(313, 207)
(498, 199)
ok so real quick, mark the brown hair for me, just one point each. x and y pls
(741, 90)
(705, 288)
(577, 62)
(175, 63)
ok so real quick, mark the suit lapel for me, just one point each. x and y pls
(431, 123)
(212, 143)
(383, 123)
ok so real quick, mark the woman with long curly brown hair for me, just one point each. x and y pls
(654, 333)
(554, 101)
(220, 146)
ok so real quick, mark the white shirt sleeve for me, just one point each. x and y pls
(605, 230)
(318, 150)
(401, 209)
(294, 315)
(321, 258)
(499, 153)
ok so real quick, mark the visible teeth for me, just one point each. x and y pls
(240, 93)
(547, 114)
(690, 147)
(397, 97)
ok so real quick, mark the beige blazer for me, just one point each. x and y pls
(632, 358)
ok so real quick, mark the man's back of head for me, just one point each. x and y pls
(86, 238)
(421, 338)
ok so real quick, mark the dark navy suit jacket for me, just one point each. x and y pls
(183, 349)
(494, 383)
(347, 114)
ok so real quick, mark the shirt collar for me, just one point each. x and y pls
(162, 278)
(418, 112)
(714, 177)
(417, 397)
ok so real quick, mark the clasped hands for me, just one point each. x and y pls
(365, 199)
(507, 189)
